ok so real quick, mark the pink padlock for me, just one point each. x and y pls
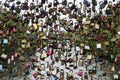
(49, 52)
(16, 54)
(1, 32)
(27, 64)
(7, 32)
(15, 30)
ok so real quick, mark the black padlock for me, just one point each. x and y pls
(32, 6)
(12, 0)
(54, 17)
(113, 0)
(7, 3)
(43, 1)
(26, 20)
(55, 3)
(18, 2)
(109, 11)
(64, 2)
(102, 4)
(49, 4)
(93, 9)
(18, 9)
(71, 5)
(94, 2)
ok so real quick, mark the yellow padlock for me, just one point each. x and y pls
(36, 27)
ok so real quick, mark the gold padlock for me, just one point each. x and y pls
(106, 43)
(28, 45)
(24, 41)
(23, 46)
(3, 49)
(82, 44)
(112, 69)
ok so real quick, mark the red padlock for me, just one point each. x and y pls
(80, 73)
(35, 75)
(102, 18)
(60, 9)
(118, 45)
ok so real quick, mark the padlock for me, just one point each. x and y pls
(118, 4)
(24, 6)
(75, 66)
(32, 6)
(74, 58)
(71, 6)
(80, 62)
(42, 77)
(85, 75)
(94, 2)
(86, 3)
(12, 0)
(35, 75)
(1, 32)
(61, 74)
(54, 16)
(18, 2)
(43, 55)
(102, 4)
(43, 1)
(110, 4)
(56, 55)
(80, 73)
(15, 30)
(12, 7)
(49, 51)
(64, 2)
(109, 11)
(55, 2)
(5, 41)
(42, 67)
(7, 4)
(18, 9)
(93, 9)
(49, 4)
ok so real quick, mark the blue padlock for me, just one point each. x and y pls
(12, 7)
(54, 77)
(5, 41)
(1, 67)
(86, 2)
